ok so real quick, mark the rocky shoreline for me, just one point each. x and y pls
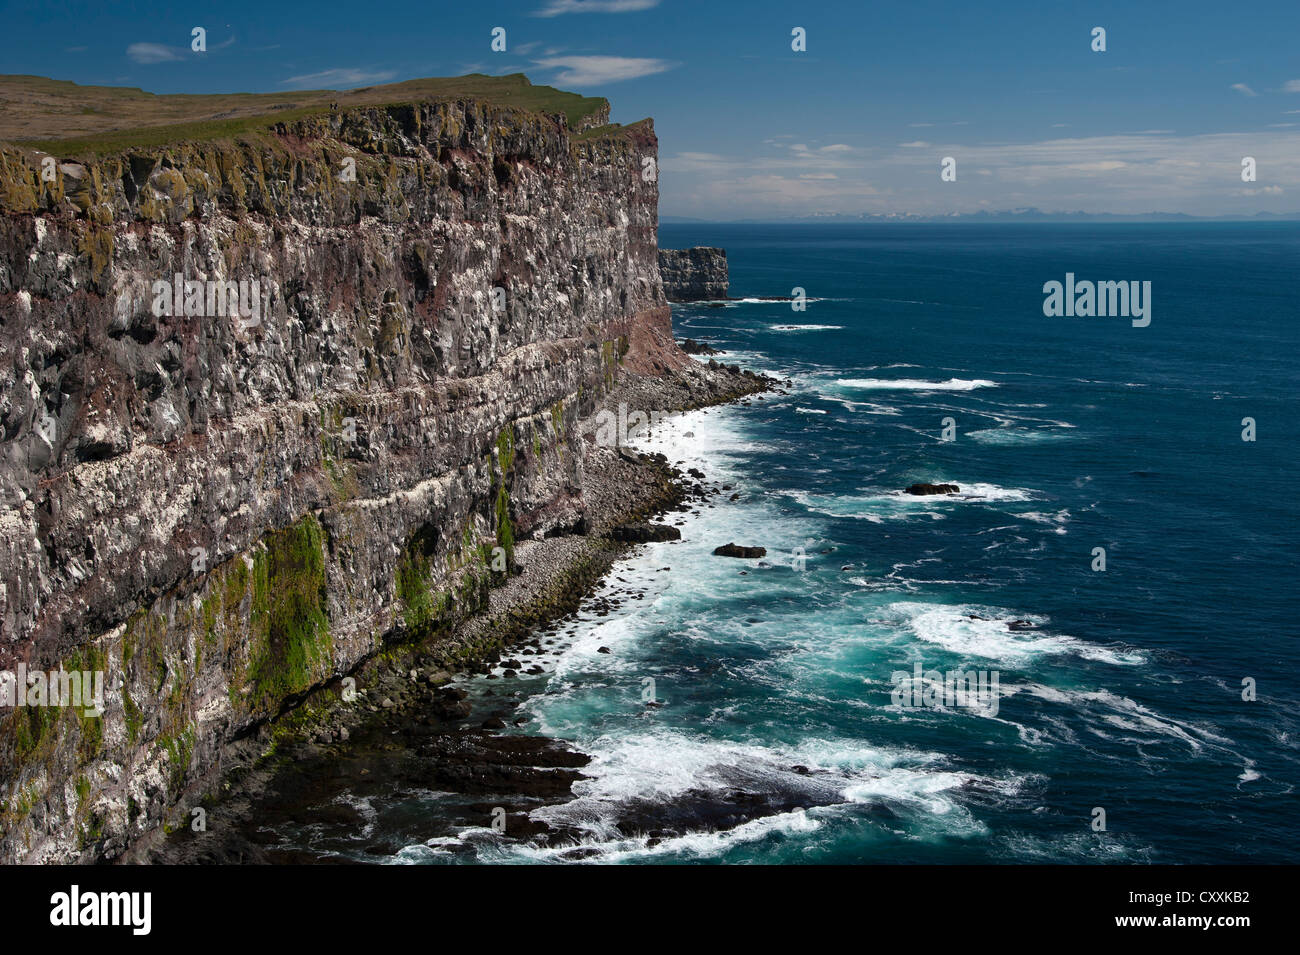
(410, 723)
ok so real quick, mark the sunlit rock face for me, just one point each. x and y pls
(267, 403)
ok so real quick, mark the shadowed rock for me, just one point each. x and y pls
(736, 550)
(693, 275)
(643, 533)
(921, 489)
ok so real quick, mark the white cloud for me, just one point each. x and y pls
(154, 53)
(918, 144)
(596, 70)
(773, 192)
(1244, 89)
(1122, 173)
(560, 7)
(338, 79)
(1291, 86)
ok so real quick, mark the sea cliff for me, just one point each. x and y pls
(222, 512)
(695, 274)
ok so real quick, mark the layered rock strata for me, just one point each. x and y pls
(694, 275)
(271, 403)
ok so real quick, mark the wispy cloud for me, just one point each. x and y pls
(560, 7)
(1130, 173)
(149, 53)
(1244, 89)
(595, 70)
(338, 79)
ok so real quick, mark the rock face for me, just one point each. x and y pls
(220, 512)
(693, 275)
(692, 347)
(737, 550)
(921, 489)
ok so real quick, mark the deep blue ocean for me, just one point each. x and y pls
(779, 735)
(1122, 690)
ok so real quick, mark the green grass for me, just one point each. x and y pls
(291, 642)
(68, 119)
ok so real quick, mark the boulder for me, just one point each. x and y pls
(736, 550)
(643, 533)
(933, 489)
(692, 347)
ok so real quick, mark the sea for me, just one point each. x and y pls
(1086, 654)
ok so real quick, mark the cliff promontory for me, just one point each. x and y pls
(279, 389)
(694, 275)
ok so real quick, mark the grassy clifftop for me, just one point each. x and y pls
(63, 117)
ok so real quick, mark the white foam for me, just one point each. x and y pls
(805, 328)
(666, 765)
(882, 505)
(769, 301)
(1014, 437)
(953, 628)
(1143, 723)
(916, 384)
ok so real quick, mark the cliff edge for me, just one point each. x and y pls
(279, 389)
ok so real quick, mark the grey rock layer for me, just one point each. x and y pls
(693, 275)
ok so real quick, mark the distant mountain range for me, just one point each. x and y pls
(1029, 214)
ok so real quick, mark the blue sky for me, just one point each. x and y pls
(748, 128)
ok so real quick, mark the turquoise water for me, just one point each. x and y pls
(778, 736)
